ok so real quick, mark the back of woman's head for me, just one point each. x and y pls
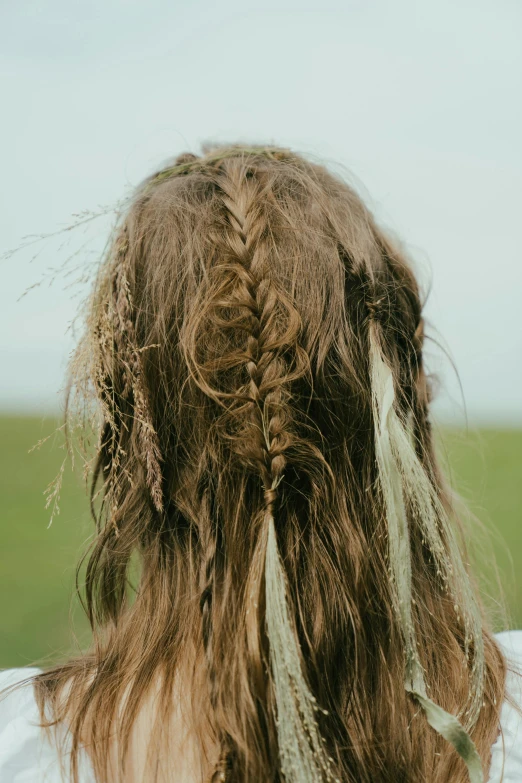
(255, 343)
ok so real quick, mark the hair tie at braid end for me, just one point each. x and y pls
(374, 308)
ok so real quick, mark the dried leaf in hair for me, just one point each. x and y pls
(301, 747)
(401, 474)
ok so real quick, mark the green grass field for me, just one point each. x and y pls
(38, 562)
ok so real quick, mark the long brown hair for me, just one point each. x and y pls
(228, 345)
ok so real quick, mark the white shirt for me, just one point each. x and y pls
(26, 756)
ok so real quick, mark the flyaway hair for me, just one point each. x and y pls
(265, 471)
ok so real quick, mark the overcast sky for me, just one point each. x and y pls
(419, 101)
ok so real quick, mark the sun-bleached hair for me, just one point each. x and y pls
(254, 344)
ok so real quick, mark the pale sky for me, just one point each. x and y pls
(419, 101)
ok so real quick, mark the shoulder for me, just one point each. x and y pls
(506, 753)
(14, 700)
(26, 753)
(510, 641)
(18, 707)
(22, 752)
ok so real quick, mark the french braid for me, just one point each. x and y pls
(257, 418)
(261, 439)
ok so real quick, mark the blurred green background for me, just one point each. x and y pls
(38, 562)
